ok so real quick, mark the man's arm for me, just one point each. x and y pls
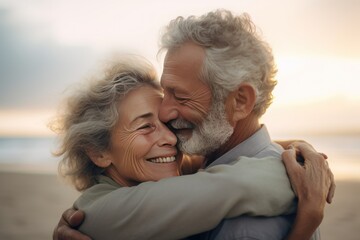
(177, 207)
(303, 225)
(314, 186)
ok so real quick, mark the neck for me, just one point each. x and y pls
(243, 129)
(112, 173)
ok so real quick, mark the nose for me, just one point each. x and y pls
(168, 110)
(166, 137)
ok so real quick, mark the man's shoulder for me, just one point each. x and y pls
(93, 193)
(272, 149)
(257, 160)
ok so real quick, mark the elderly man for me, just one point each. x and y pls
(218, 79)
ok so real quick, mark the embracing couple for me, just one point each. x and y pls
(126, 139)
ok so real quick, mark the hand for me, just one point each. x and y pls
(314, 185)
(70, 219)
(314, 178)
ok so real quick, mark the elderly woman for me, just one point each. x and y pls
(113, 144)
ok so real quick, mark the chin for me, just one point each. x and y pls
(166, 175)
(158, 171)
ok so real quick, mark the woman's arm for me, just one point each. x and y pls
(313, 184)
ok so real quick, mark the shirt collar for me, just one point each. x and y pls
(248, 148)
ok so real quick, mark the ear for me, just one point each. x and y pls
(100, 159)
(240, 102)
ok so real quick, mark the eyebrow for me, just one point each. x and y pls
(174, 89)
(145, 115)
(170, 84)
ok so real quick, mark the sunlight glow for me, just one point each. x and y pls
(25, 123)
(315, 43)
(317, 60)
(305, 79)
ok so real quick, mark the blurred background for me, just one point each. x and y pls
(46, 46)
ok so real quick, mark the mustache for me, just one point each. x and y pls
(180, 123)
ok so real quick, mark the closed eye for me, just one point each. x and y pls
(180, 99)
(145, 126)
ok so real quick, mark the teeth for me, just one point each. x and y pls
(163, 159)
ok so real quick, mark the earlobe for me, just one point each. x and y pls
(244, 98)
(98, 158)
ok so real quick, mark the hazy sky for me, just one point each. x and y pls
(47, 45)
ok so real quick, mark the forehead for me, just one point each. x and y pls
(183, 65)
(145, 99)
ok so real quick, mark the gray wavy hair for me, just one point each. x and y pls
(91, 113)
(234, 53)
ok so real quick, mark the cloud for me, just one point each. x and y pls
(34, 70)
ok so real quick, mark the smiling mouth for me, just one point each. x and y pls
(163, 159)
(181, 129)
(180, 124)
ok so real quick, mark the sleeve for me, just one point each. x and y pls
(177, 207)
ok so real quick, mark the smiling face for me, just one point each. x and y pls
(200, 124)
(142, 148)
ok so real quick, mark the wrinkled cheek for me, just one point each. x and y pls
(131, 165)
(201, 102)
(200, 107)
(197, 113)
(146, 174)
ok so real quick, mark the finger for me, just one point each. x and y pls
(66, 216)
(324, 155)
(76, 218)
(66, 233)
(292, 168)
(331, 192)
(305, 149)
(301, 144)
(290, 162)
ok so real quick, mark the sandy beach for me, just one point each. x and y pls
(31, 205)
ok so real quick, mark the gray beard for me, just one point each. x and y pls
(214, 131)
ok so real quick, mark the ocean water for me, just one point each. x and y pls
(34, 153)
(28, 154)
(27, 150)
